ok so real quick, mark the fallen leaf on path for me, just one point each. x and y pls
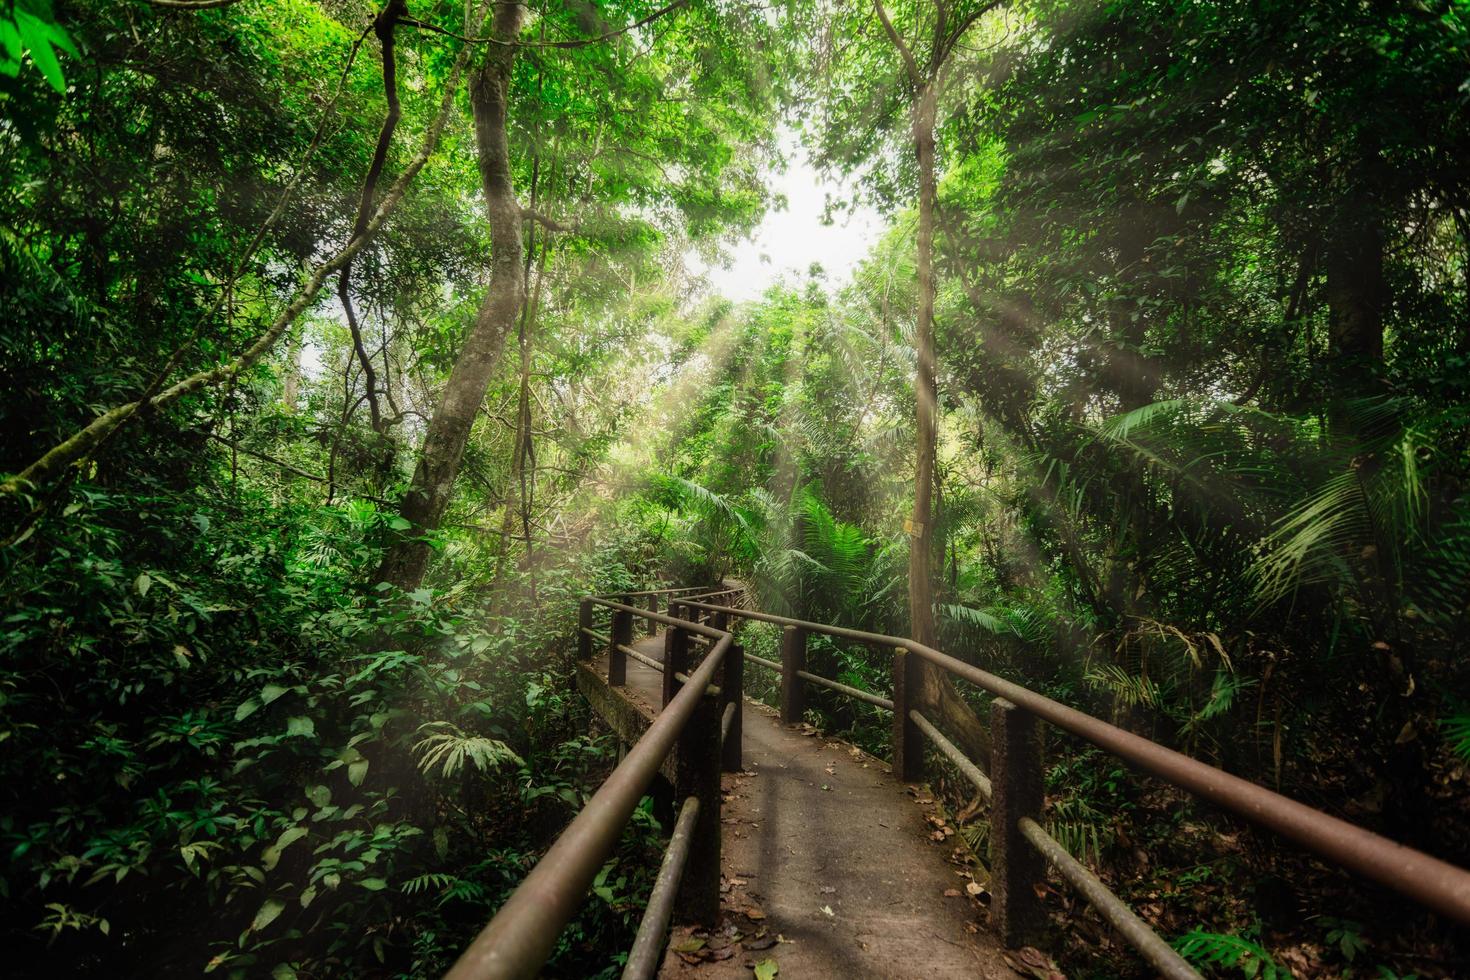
(973, 888)
(1032, 962)
(690, 945)
(766, 969)
(758, 943)
(827, 911)
(951, 893)
(754, 912)
(828, 890)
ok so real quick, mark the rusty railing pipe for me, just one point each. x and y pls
(648, 946)
(1436, 884)
(523, 933)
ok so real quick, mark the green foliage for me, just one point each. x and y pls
(1457, 731)
(447, 746)
(1209, 949)
(29, 33)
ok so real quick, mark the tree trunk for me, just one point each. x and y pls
(291, 379)
(449, 430)
(1355, 300)
(936, 692)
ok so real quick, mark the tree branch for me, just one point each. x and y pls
(548, 223)
(293, 470)
(574, 43)
(383, 25)
(81, 443)
(960, 29)
(910, 65)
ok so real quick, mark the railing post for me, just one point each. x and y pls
(719, 620)
(793, 688)
(584, 623)
(908, 741)
(676, 660)
(732, 688)
(697, 773)
(619, 636)
(653, 608)
(1016, 866)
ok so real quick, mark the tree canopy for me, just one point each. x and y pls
(346, 344)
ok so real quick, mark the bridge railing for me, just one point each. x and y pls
(1014, 787)
(699, 724)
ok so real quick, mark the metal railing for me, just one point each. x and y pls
(700, 725)
(703, 721)
(1014, 788)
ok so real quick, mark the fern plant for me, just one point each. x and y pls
(1211, 949)
(449, 748)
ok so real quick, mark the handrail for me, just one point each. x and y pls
(658, 617)
(648, 944)
(517, 941)
(670, 591)
(1437, 884)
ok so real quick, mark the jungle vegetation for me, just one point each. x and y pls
(346, 345)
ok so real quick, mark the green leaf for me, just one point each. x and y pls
(142, 583)
(272, 855)
(357, 771)
(301, 725)
(766, 969)
(319, 795)
(62, 40)
(246, 709)
(271, 692)
(398, 523)
(10, 38)
(36, 35)
(269, 912)
(373, 884)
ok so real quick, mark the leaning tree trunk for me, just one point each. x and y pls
(937, 692)
(449, 429)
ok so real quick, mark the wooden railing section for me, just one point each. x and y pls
(702, 717)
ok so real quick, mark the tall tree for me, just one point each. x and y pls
(924, 38)
(449, 429)
(714, 190)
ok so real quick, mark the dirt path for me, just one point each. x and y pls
(829, 865)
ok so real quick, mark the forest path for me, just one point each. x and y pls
(828, 863)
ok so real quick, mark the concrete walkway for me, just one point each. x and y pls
(830, 867)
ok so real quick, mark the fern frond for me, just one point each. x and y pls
(1213, 949)
(981, 619)
(1311, 539)
(449, 748)
(1457, 733)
